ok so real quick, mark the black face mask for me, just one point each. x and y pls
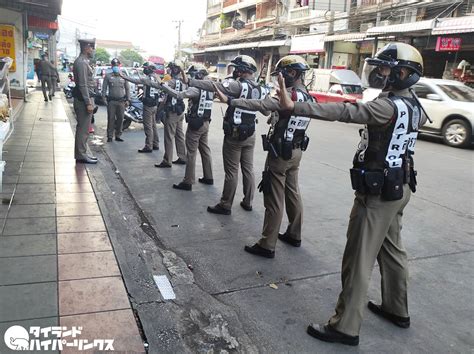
(376, 80)
(147, 71)
(289, 80)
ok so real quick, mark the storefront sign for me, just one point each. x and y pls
(448, 44)
(7, 44)
(42, 36)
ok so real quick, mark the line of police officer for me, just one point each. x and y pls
(383, 175)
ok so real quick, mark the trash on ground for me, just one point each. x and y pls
(165, 287)
(273, 286)
(175, 225)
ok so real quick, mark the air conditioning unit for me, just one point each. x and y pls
(385, 23)
(365, 26)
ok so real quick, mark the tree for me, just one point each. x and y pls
(129, 56)
(102, 55)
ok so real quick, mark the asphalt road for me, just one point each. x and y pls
(438, 235)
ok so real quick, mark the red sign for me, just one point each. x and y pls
(448, 44)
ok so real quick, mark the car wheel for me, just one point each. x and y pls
(457, 133)
(126, 123)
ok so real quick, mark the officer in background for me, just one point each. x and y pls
(54, 77)
(285, 143)
(83, 99)
(173, 122)
(383, 177)
(239, 128)
(150, 101)
(46, 69)
(116, 94)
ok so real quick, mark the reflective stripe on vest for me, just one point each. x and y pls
(205, 102)
(296, 122)
(238, 111)
(177, 88)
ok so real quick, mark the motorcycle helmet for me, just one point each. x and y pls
(175, 67)
(244, 63)
(197, 71)
(384, 69)
(148, 68)
(288, 63)
(115, 62)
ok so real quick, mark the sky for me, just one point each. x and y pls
(146, 23)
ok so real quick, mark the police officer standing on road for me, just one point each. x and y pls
(383, 177)
(285, 143)
(46, 69)
(173, 122)
(83, 100)
(116, 98)
(150, 101)
(198, 118)
(239, 128)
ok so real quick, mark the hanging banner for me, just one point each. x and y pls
(448, 44)
(7, 44)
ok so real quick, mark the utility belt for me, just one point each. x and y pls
(76, 93)
(178, 108)
(388, 183)
(239, 132)
(149, 101)
(195, 122)
(282, 148)
(121, 99)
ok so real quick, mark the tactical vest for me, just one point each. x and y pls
(151, 94)
(173, 104)
(200, 109)
(242, 116)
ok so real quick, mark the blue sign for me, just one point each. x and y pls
(42, 36)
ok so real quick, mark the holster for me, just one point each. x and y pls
(194, 123)
(393, 184)
(305, 143)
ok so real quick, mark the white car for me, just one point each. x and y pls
(450, 105)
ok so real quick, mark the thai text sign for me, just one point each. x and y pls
(448, 44)
(7, 44)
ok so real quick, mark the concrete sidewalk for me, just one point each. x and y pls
(57, 264)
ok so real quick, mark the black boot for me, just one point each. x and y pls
(145, 150)
(179, 161)
(259, 251)
(402, 322)
(183, 186)
(162, 165)
(289, 240)
(328, 334)
(217, 209)
(208, 181)
(246, 207)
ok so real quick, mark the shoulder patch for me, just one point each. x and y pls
(226, 84)
(255, 93)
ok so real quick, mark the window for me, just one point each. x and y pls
(337, 89)
(422, 90)
(251, 14)
(458, 92)
(352, 89)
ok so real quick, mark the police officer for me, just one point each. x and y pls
(173, 122)
(46, 70)
(54, 77)
(198, 118)
(383, 177)
(83, 99)
(150, 101)
(239, 129)
(285, 143)
(116, 94)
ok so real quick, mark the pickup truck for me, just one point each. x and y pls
(335, 85)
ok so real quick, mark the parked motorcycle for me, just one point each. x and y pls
(69, 87)
(134, 111)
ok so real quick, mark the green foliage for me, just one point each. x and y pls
(129, 56)
(102, 55)
(226, 21)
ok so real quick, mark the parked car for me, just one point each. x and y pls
(335, 85)
(99, 75)
(450, 105)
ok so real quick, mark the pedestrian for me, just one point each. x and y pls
(54, 77)
(83, 100)
(150, 100)
(239, 132)
(116, 95)
(383, 178)
(173, 122)
(46, 69)
(285, 143)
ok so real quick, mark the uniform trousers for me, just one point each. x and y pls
(115, 113)
(173, 130)
(149, 125)
(83, 119)
(373, 233)
(197, 140)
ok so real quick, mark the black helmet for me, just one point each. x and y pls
(244, 63)
(294, 62)
(149, 65)
(115, 62)
(394, 56)
(176, 63)
(197, 70)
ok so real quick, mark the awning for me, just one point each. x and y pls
(402, 28)
(454, 25)
(307, 44)
(345, 37)
(243, 45)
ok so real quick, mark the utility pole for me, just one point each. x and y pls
(178, 50)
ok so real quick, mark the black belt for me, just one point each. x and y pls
(116, 99)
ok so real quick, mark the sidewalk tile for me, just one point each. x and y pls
(35, 188)
(70, 170)
(39, 158)
(32, 211)
(79, 176)
(23, 301)
(83, 242)
(38, 165)
(8, 187)
(15, 246)
(36, 179)
(77, 209)
(32, 171)
(75, 198)
(80, 224)
(22, 270)
(74, 188)
(92, 295)
(117, 325)
(87, 265)
(34, 198)
(10, 178)
(29, 226)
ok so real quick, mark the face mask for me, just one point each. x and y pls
(115, 69)
(147, 71)
(376, 80)
(289, 80)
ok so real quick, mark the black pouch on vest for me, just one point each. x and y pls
(286, 150)
(179, 107)
(227, 127)
(393, 184)
(305, 143)
(195, 123)
(374, 181)
(265, 184)
(245, 131)
(357, 180)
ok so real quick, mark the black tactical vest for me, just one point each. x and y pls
(201, 107)
(151, 94)
(237, 116)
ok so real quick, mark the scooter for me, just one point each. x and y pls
(134, 111)
(69, 87)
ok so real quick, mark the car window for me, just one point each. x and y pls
(422, 90)
(352, 89)
(458, 92)
(335, 88)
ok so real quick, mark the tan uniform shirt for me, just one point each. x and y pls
(230, 88)
(84, 78)
(117, 87)
(46, 68)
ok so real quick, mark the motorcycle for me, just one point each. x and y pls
(69, 87)
(134, 111)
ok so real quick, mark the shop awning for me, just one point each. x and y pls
(243, 45)
(454, 25)
(401, 28)
(344, 37)
(307, 44)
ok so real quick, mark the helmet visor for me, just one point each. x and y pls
(375, 76)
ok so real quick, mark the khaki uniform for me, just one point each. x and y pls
(46, 69)
(374, 227)
(195, 140)
(83, 75)
(115, 91)
(234, 151)
(173, 129)
(285, 190)
(54, 78)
